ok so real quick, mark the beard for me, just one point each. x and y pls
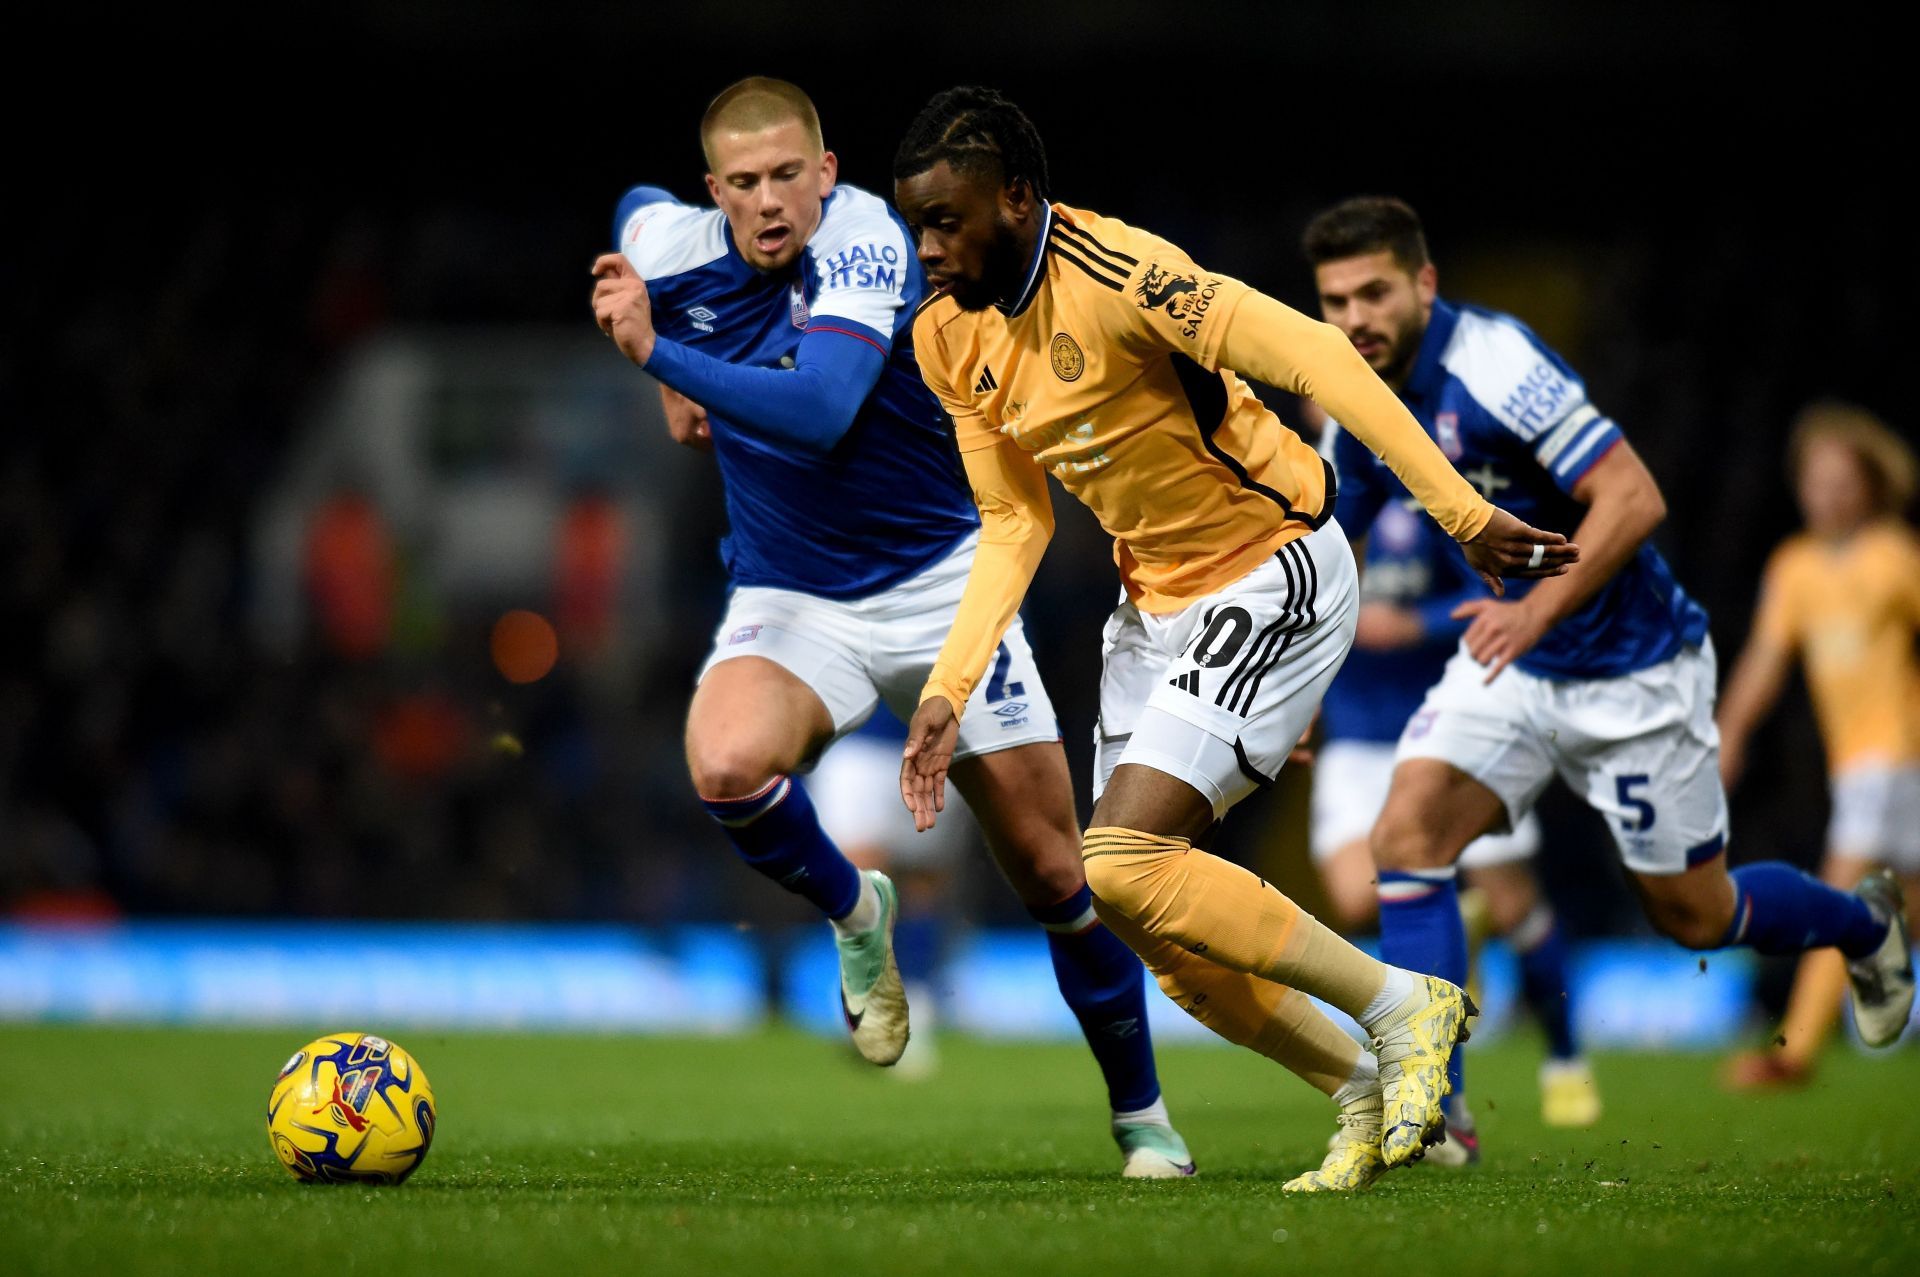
(1403, 347)
(1002, 270)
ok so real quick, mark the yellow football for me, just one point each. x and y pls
(351, 1107)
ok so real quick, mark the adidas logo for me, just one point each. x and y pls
(1188, 682)
(985, 383)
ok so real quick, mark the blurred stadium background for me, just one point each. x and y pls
(302, 395)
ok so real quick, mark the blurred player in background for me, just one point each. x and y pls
(1413, 582)
(1603, 676)
(1063, 341)
(1844, 596)
(778, 325)
(852, 787)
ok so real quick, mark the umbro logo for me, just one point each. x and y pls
(985, 383)
(1188, 682)
(702, 318)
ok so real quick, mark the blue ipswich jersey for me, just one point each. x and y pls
(1515, 420)
(890, 498)
(1411, 563)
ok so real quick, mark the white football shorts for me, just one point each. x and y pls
(856, 653)
(1641, 748)
(1350, 783)
(1218, 693)
(1876, 815)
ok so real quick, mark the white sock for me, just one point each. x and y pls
(1154, 1114)
(866, 910)
(1362, 1082)
(1400, 984)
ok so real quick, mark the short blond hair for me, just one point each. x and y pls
(1884, 456)
(757, 103)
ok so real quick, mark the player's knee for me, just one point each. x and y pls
(1118, 886)
(1049, 882)
(1133, 873)
(1401, 842)
(1106, 881)
(723, 771)
(1041, 859)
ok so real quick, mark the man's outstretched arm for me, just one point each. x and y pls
(1277, 344)
(1016, 522)
(810, 405)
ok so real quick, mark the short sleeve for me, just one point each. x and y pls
(863, 265)
(626, 223)
(662, 238)
(1532, 394)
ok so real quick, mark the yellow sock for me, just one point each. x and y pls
(1270, 1019)
(1216, 910)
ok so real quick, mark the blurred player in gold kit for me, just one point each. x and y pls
(1843, 596)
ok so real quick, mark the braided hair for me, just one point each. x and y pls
(976, 131)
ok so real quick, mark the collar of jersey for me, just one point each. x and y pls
(1427, 373)
(1035, 268)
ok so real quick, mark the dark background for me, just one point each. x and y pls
(1696, 205)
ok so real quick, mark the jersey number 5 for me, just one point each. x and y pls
(1623, 789)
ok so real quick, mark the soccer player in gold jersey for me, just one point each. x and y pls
(1062, 341)
(1844, 596)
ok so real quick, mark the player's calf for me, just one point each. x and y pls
(1693, 914)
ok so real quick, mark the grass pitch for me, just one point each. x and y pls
(135, 1151)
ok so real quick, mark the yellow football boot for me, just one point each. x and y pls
(1353, 1158)
(1414, 1042)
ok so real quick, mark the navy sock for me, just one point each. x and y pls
(1104, 985)
(778, 833)
(918, 939)
(1542, 951)
(1778, 909)
(1420, 929)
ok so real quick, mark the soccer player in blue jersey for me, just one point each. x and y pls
(1603, 676)
(1412, 584)
(779, 325)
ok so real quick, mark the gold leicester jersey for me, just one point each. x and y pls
(1106, 373)
(1852, 612)
(1113, 369)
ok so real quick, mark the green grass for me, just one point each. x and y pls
(137, 1151)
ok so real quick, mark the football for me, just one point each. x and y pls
(351, 1107)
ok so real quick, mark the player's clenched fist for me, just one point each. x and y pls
(687, 423)
(1508, 547)
(621, 307)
